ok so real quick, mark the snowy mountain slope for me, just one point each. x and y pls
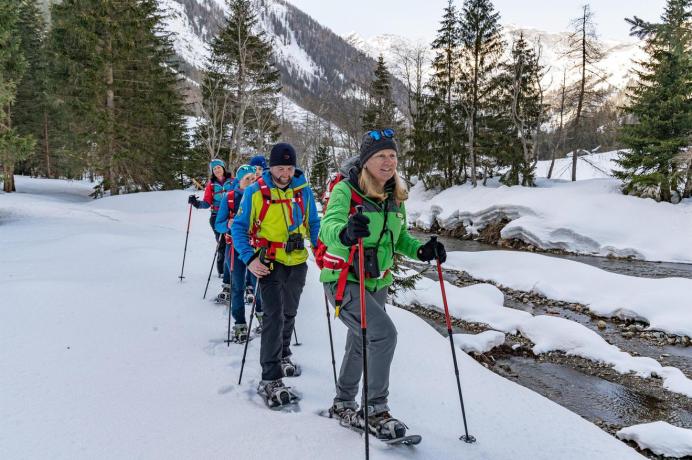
(617, 64)
(320, 71)
(110, 356)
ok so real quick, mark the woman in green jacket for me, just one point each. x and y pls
(374, 183)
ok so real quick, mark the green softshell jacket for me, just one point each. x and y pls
(395, 239)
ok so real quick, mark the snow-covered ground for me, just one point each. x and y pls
(593, 166)
(105, 354)
(661, 438)
(589, 216)
(662, 302)
(483, 303)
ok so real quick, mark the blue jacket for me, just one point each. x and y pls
(214, 191)
(279, 221)
(224, 213)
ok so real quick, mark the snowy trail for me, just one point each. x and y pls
(106, 355)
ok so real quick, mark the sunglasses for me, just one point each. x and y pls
(377, 135)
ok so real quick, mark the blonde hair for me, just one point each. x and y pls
(371, 188)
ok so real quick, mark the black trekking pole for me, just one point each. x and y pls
(187, 234)
(252, 315)
(364, 333)
(230, 296)
(297, 344)
(466, 437)
(331, 340)
(213, 261)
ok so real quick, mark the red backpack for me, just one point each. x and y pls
(322, 257)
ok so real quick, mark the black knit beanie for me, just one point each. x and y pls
(282, 154)
(370, 146)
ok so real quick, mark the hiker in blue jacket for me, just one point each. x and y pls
(234, 268)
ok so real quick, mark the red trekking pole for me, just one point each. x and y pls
(189, 216)
(364, 333)
(466, 437)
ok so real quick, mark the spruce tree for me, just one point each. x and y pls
(380, 111)
(411, 61)
(117, 81)
(31, 109)
(661, 104)
(13, 146)
(240, 88)
(321, 169)
(482, 47)
(446, 149)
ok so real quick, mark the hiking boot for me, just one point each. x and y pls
(288, 369)
(249, 295)
(260, 317)
(384, 426)
(275, 392)
(225, 294)
(345, 411)
(240, 334)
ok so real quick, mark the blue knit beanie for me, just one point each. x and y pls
(216, 162)
(258, 160)
(244, 171)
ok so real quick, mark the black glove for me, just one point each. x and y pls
(426, 252)
(357, 227)
(192, 199)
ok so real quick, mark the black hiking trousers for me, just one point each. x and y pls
(280, 292)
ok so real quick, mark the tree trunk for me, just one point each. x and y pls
(110, 113)
(666, 194)
(46, 150)
(8, 178)
(687, 193)
(581, 94)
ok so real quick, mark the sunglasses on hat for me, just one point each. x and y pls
(379, 134)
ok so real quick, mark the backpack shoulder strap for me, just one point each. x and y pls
(266, 201)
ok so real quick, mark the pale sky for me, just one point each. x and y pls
(419, 19)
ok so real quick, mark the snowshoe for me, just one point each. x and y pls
(225, 294)
(260, 317)
(385, 428)
(276, 394)
(289, 369)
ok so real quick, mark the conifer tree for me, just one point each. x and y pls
(13, 146)
(411, 61)
(482, 47)
(240, 88)
(661, 104)
(380, 112)
(521, 112)
(321, 168)
(31, 110)
(122, 108)
(446, 149)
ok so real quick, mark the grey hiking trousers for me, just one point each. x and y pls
(381, 342)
